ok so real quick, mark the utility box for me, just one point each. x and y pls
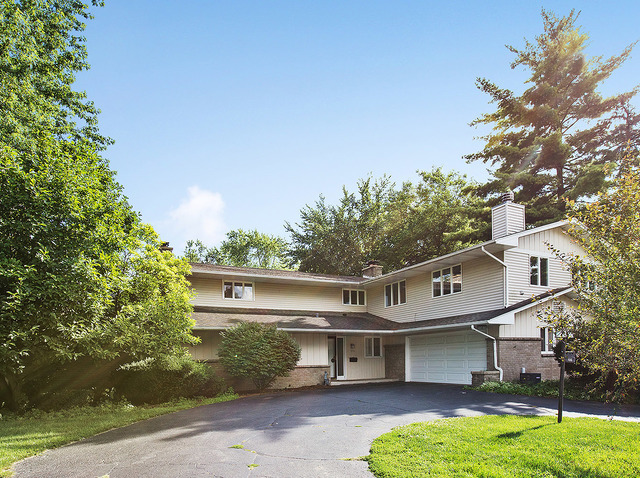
(530, 378)
(570, 356)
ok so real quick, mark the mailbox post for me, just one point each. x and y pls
(565, 357)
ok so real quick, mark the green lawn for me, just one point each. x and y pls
(509, 447)
(21, 437)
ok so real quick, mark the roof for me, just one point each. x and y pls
(198, 269)
(218, 318)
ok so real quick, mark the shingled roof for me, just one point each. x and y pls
(225, 317)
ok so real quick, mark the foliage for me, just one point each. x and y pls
(397, 227)
(605, 329)
(258, 352)
(574, 389)
(241, 249)
(79, 274)
(35, 432)
(509, 446)
(162, 380)
(560, 140)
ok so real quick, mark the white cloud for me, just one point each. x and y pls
(198, 216)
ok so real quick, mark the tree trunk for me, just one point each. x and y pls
(14, 392)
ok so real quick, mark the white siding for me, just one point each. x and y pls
(313, 347)
(365, 367)
(482, 289)
(538, 244)
(527, 323)
(208, 347)
(507, 218)
(270, 295)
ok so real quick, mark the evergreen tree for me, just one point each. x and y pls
(561, 139)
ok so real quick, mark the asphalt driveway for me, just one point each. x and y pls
(309, 433)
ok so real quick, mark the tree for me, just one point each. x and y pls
(605, 329)
(258, 352)
(560, 140)
(80, 276)
(241, 249)
(340, 239)
(397, 227)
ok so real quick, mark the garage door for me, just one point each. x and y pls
(446, 358)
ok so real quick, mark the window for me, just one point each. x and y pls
(539, 270)
(395, 294)
(447, 281)
(238, 290)
(372, 347)
(548, 339)
(353, 297)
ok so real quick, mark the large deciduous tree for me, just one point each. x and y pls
(396, 226)
(560, 139)
(241, 249)
(605, 330)
(80, 276)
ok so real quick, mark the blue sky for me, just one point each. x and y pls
(236, 114)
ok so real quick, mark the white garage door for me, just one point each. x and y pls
(446, 358)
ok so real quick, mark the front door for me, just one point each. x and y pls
(336, 357)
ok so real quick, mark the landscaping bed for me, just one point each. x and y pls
(509, 447)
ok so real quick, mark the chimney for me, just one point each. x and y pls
(165, 247)
(373, 269)
(507, 217)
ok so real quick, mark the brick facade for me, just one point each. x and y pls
(394, 361)
(302, 376)
(515, 353)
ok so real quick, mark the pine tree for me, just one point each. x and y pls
(561, 139)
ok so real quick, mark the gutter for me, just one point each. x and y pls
(495, 351)
(505, 276)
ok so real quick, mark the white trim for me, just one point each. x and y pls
(354, 290)
(233, 285)
(512, 239)
(452, 292)
(372, 337)
(390, 284)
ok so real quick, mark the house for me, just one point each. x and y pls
(466, 316)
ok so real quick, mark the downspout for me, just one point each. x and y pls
(495, 350)
(505, 276)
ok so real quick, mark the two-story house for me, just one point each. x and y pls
(471, 313)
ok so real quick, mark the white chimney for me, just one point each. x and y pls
(507, 217)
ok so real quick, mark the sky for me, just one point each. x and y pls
(237, 114)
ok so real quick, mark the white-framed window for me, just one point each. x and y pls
(447, 281)
(372, 347)
(395, 294)
(354, 297)
(237, 290)
(538, 270)
(547, 339)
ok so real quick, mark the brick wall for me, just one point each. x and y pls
(394, 361)
(302, 376)
(515, 353)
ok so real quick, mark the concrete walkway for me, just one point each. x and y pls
(309, 433)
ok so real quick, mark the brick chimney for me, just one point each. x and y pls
(507, 217)
(373, 269)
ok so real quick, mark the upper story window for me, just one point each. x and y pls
(447, 281)
(539, 270)
(395, 294)
(372, 347)
(548, 339)
(353, 297)
(238, 290)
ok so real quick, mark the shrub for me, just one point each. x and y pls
(157, 381)
(258, 352)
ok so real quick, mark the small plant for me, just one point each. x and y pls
(258, 352)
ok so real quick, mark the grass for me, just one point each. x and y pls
(509, 447)
(549, 388)
(24, 436)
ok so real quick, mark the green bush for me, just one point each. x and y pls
(573, 390)
(154, 381)
(258, 352)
